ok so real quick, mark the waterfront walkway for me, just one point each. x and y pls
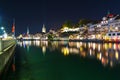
(7, 48)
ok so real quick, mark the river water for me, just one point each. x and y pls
(63, 60)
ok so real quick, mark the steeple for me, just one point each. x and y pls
(27, 30)
(109, 15)
(13, 27)
(108, 12)
(43, 29)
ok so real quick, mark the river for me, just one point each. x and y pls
(63, 60)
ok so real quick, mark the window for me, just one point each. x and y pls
(109, 34)
(113, 34)
(118, 34)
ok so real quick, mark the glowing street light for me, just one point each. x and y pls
(3, 32)
(2, 28)
(5, 35)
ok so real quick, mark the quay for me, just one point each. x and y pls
(96, 41)
(75, 40)
(7, 47)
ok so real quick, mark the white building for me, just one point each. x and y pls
(110, 22)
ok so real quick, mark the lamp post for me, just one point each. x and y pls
(4, 34)
(2, 28)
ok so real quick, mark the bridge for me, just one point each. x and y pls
(7, 47)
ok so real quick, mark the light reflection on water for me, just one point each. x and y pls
(107, 53)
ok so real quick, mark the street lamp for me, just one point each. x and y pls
(2, 28)
(3, 32)
(5, 35)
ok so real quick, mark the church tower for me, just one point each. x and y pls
(27, 30)
(43, 29)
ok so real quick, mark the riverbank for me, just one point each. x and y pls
(75, 40)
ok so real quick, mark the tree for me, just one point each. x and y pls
(83, 22)
(50, 37)
(68, 24)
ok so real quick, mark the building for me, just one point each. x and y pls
(43, 29)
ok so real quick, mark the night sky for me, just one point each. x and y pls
(52, 13)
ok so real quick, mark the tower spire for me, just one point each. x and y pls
(13, 27)
(43, 29)
(27, 30)
(108, 12)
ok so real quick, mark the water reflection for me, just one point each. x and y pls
(13, 65)
(44, 50)
(107, 53)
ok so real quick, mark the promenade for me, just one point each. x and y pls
(7, 47)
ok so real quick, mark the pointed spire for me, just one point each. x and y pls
(13, 27)
(27, 30)
(109, 15)
(108, 12)
(43, 29)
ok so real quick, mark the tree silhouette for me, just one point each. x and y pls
(68, 24)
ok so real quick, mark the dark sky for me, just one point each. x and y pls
(52, 13)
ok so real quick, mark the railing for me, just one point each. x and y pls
(6, 43)
(7, 48)
(4, 58)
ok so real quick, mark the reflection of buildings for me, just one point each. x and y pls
(41, 44)
(44, 50)
(107, 53)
